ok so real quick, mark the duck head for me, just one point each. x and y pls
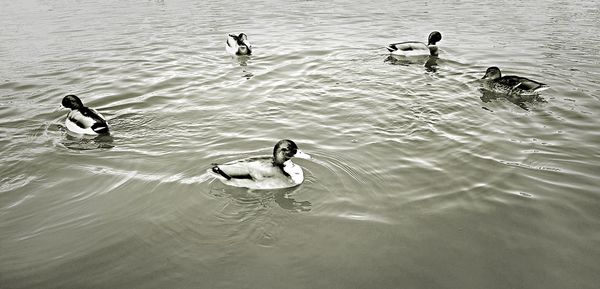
(492, 73)
(434, 37)
(244, 47)
(72, 101)
(285, 150)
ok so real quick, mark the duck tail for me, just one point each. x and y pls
(100, 128)
(542, 87)
(217, 170)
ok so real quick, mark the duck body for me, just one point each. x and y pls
(82, 119)
(259, 173)
(511, 84)
(238, 44)
(416, 48)
(264, 172)
(409, 48)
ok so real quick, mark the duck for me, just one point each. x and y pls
(416, 48)
(82, 119)
(511, 84)
(238, 44)
(264, 172)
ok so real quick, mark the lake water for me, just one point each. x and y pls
(418, 179)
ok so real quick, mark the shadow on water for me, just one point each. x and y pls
(520, 100)
(244, 196)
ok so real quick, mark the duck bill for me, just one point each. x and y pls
(489, 75)
(302, 155)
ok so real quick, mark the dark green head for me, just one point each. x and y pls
(72, 101)
(434, 37)
(285, 150)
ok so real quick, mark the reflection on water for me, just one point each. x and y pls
(284, 198)
(520, 100)
(429, 62)
(85, 142)
(243, 61)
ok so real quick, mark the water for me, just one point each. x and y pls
(419, 179)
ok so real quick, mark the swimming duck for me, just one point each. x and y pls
(238, 45)
(264, 172)
(511, 83)
(415, 48)
(82, 119)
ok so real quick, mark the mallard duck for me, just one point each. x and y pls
(416, 48)
(238, 44)
(82, 119)
(510, 83)
(264, 172)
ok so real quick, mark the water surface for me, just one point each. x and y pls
(419, 178)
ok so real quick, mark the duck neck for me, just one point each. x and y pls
(283, 166)
(433, 49)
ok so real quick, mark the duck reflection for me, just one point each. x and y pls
(284, 201)
(429, 62)
(282, 197)
(520, 100)
(77, 142)
(243, 60)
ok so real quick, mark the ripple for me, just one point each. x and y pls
(13, 183)
(79, 221)
(529, 166)
(364, 217)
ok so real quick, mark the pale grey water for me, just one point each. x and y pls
(419, 180)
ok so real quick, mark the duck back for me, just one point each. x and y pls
(522, 83)
(86, 121)
(409, 48)
(256, 173)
